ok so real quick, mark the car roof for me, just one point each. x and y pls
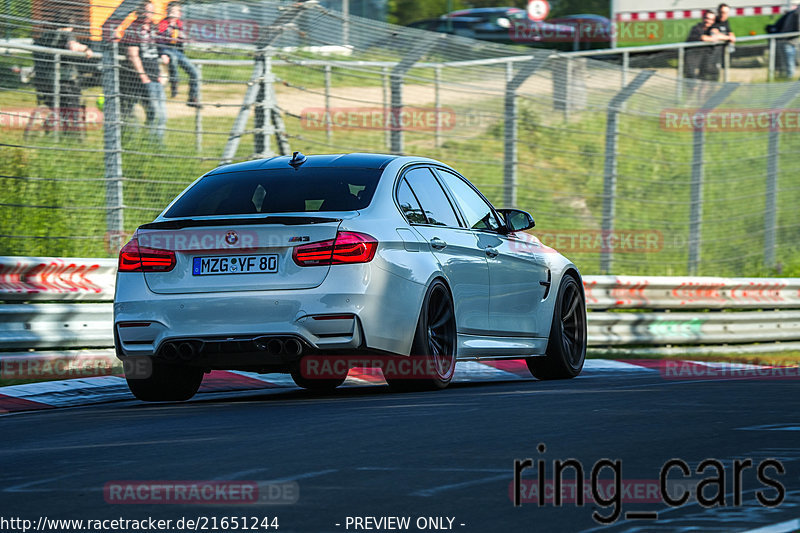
(357, 160)
(586, 16)
(483, 10)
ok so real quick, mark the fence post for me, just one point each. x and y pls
(386, 109)
(771, 63)
(773, 164)
(396, 128)
(198, 115)
(112, 146)
(437, 103)
(513, 82)
(398, 73)
(561, 85)
(698, 171)
(264, 129)
(610, 164)
(570, 81)
(626, 65)
(328, 123)
(56, 95)
(726, 63)
(346, 22)
(681, 68)
(510, 142)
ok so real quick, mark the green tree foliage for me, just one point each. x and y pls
(10, 27)
(560, 8)
(495, 3)
(406, 11)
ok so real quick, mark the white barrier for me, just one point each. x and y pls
(66, 279)
(71, 325)
(642, 292)
(62, 279)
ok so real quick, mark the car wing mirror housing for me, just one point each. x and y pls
(517, 220)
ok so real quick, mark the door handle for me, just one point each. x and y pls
(438, 244)
(491, 252)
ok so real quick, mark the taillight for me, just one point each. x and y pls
(348, 248)
(133, 258)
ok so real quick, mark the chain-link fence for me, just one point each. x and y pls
(627, 169)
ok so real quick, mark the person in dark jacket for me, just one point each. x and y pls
(723, 24)
(140, 73)
(787, 48)
(171, 39)
(60, 35)
(700, 62)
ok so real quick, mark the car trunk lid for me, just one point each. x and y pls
(236, 253)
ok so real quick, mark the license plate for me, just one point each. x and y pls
(235, 264)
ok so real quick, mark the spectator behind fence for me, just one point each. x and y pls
(700, 62)
(140, 72)
(787, 48)
(171, 38)
(60, 35)
(723, 25)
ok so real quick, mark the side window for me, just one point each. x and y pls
(432, 198)
(478, 213)
(409, 205)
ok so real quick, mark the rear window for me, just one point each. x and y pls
(278, 191)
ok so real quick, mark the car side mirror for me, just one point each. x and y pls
(517, 220)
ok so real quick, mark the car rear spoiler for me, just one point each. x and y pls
(250, 221)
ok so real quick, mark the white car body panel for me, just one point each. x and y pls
(501, 308)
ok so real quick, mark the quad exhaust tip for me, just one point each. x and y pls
(186, 351)
(172, 351)
(293, 347)
(275, 346)
(169, 352)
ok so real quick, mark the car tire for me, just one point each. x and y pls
(566, 347)
(165, 382)
(315, 384)
(434, 347)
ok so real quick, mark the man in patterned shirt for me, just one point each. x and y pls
(140, 73)
(171, 38)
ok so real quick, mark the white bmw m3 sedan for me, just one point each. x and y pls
(274, 264)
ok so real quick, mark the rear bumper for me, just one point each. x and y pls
(383, 310)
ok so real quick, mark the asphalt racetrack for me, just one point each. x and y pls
(441, 459)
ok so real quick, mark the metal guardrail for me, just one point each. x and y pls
(672, 307)
(624, 329)
(54, 325)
